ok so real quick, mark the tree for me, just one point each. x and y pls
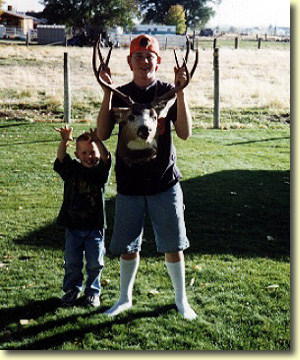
(79, 13)
(197, 12)
(176, 16)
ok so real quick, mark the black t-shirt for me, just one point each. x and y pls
(83, 203)
(159, 174)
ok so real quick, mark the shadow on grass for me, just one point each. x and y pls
(53, 236)
(257, 141)
(32, 310)
(56, 340)
(240, 212)
(28, 143)
(11, 125)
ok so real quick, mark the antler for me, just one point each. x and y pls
(189, 75)
(104, 66)
(127, 99)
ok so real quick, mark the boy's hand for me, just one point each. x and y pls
(93, 135)
(105, 76)
(180, 75)
(65, 133)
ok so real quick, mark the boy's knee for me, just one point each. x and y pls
(129, 256)
(174, 257)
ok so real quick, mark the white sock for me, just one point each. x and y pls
(177, 274)
(128, 270)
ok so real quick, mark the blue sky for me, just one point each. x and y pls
(246, 13)
(243, 13)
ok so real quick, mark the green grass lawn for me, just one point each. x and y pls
(236, 188)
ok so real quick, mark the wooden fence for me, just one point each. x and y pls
(18, 34)
(179, 41)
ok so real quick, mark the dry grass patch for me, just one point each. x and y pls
(249, 78)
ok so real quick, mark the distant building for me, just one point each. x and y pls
(154, 29)
(207, 32)
(282, 31)
(2, 31)
(13, 19)
(51, 34)
(114, 32)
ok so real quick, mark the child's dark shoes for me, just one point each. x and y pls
(92, 300)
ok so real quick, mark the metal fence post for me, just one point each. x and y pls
(259, 43)
(216, 90)
(236, 42)
(28, 38)
(67, 95)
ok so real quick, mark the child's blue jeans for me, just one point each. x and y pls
(80, 244)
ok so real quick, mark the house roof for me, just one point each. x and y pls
(16, 14)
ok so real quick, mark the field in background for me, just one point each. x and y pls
(236, 185)
(32, 80)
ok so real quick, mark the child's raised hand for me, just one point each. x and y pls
(93, 135)
(65, 133)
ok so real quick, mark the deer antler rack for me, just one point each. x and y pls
(104, 66)
(189, 75)
(127, 99)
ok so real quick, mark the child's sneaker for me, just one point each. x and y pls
(70, 297)
(92, 300)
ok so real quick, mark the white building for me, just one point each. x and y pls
(2, 31)
(154, 29)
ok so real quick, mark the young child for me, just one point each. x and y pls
(153, 186)
(83, 213)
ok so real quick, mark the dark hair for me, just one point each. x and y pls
(83, 137)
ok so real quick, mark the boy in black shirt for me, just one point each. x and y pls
(152, 186)
(82, 213)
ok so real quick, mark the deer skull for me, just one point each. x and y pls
(138, 138)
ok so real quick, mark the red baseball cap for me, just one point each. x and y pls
(145, 42)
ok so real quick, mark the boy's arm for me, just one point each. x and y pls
(66, 136)
(183, 123)
(62, 150)
(105, 124)
(104, 153)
